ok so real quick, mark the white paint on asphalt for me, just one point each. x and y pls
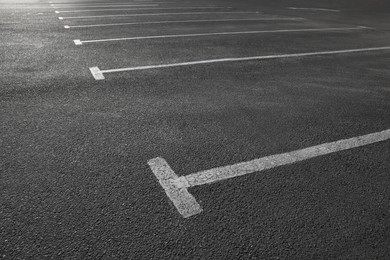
(154, 14)
(267, 57)
(221, 33)
(313, 9)
(77, 4)
(77, 42)
(190, 21)
(105, 6)
(184, 202)
(176, 187)
(97, 73)
(142, 9)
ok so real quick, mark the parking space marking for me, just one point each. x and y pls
(184, 202)
(98, 6)
(110, 3)
(152, 14)
(188, 21)
(314, 9)
(100, 73)
(80, 42)
(176, 187)
(140, 9)
(97, 73)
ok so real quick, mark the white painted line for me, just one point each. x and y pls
(105, 6)
(268, 57)
(66, 26)
(108, 4)
(97, 73)
(184, 202)
(140, 9)
(191, 21)
(77, 42)
(221, 33)
(313, 9)
(60, 18)
(176, 187)
(155, 14)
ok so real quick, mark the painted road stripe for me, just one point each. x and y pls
(153, 14)
(139, 9)
(188, 21)
(99, 74)
(101, 4)
(176, 187)
(313, 9)
(184, 202)
(105, 6)
(80, 42)
(78, 4)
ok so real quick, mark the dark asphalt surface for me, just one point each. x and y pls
(74, 179)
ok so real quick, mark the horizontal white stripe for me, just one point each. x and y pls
(105, 6)
(221, 33)
(155, 14)
(176, 187)
(103, 3)
(314, 9)
(140, 9)
(188, 21)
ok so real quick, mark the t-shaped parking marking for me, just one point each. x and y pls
(176, 192)
(176, 187)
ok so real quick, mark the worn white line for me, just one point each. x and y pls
(218, 33)
(97, 73)
(101, 4)
(188, 21)
(77, 42)
(141, 9)
(105, 6)
(176, 187)
(154, 14)
(313, 9)
(267, 57)
(184, 202)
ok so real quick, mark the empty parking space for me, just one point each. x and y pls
(206, 34)
(122, 117)
(193, 21)
(205, 31)
(153, 42)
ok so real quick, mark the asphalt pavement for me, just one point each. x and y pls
(202, 85)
